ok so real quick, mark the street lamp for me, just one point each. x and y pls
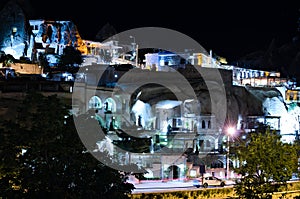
(136, 50)
(230, 132)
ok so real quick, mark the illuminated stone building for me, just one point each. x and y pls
(168, 115)
(149, 109)
(27, 38)
(256, 78)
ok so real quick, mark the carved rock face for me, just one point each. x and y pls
(13, 30)
(21, 37)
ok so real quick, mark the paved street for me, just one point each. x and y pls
(158, 186)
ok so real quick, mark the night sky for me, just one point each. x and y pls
(230, 29)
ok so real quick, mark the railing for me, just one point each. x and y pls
(45, 86)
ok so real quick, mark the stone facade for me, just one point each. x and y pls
(26, 68)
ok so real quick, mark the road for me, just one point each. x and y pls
(159, 186)
(151, 186)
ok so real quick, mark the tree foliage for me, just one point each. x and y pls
(71, 57)
(266, 164)
(43, 61)
(56, 164)
(6, 59)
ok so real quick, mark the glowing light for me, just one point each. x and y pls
(144, 110)
(230, 131)
(168, 104)
(24, 151)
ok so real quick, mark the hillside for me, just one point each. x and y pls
(284, 58)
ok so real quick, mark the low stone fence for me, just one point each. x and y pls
(46, 86)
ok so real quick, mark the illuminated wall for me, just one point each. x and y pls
(244, 76)
(19, 35)
(163, 60)
(56, 35)
(292, 96)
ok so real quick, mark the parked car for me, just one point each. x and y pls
(213, 181)
(209, 181)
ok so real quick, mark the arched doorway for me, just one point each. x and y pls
(174, 172)
(95, 103)
(154, 103)
(110, 105)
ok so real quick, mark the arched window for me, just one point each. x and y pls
(95, 103)
(110, 105)
(201, 144)
(203, 124)
(208, 124)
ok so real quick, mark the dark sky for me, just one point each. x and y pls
(229, 28)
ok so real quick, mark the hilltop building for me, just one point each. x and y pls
(25, 38)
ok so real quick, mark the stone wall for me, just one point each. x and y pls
(24, 68)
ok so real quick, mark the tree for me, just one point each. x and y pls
(43, 61)
(6, 59)
(71, 57)
(42, 156)
(266, 164)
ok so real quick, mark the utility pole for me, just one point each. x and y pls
(230, 132)
(137, 55)
(227, 158)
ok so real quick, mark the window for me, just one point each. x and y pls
(95, 103)
(203, 124)
(201, 144)
(208, 124)
(291, 96)
(110, 105)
